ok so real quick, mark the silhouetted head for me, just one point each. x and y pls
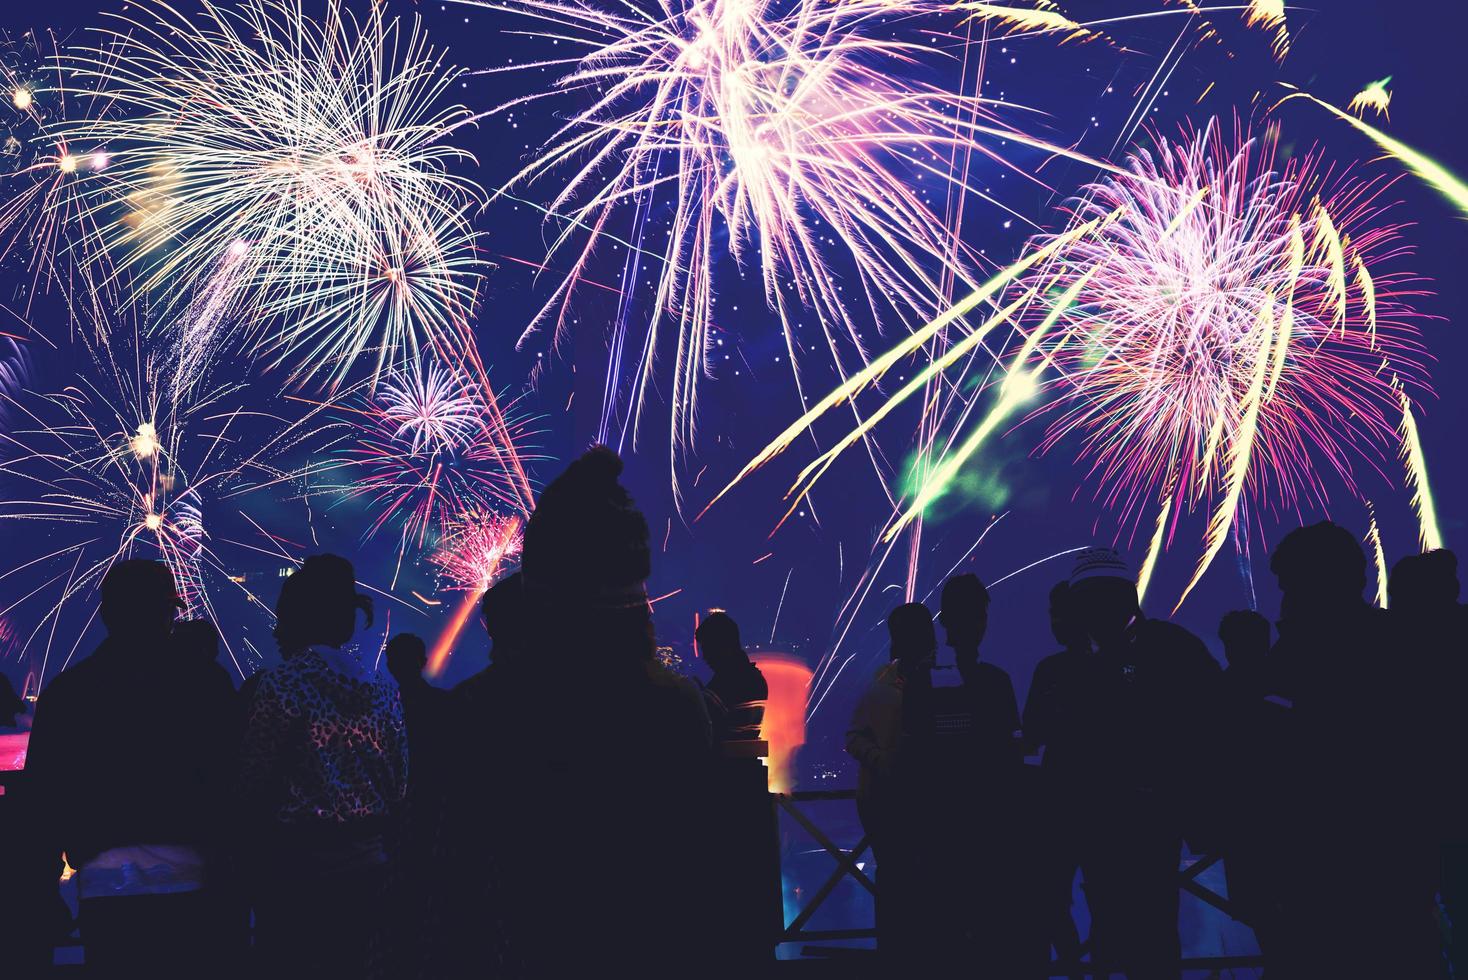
(506, 616)
(406, 656)
(1064, 625)
(718, 641)
(586, 558)
(587, 542)
(1425, 583)
(914, 641)
(1245, 635)
(139, 600)
(196, 639)
(318, 605)
(1321, 570)
(1102, 595)
(964, 611)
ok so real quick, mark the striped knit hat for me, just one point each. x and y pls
(1100, 563)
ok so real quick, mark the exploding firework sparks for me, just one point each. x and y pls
(115, 468)
(305, 156)
(433, 408)
(475, 548)
(1217, 345)
(475, 551)
(789, 131)
(1375, 96)
(419, 462)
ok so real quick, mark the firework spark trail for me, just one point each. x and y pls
(114, 467)
(475, 550)
(1154, 549)
(1378, 553)
(1428, 536)
(314, 142)
(786, 126)
(1376, 97)
(1447, 183)
(910, 344)
(1241, 453)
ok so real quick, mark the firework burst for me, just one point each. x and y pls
(115, 468)
(788, 136)
(1229, 339)
(417, 453)
(302, 160)
(476, 548)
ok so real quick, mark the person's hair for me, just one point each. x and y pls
(318, 604)
(910, 628)
(586, 540)
(964, 591)
(1428, 580)
(1243, 625)
(718, 632)
(138, 593)
(1321, 558)
(1060, 597)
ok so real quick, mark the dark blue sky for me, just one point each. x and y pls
(1086, 92)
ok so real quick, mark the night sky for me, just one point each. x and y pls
(1084, 94)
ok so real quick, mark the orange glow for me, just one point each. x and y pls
(784, 724)
(438, 658)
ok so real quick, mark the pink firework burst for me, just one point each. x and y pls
(1232, 336)
(476, 549)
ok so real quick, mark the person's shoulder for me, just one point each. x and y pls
(991, 673)
(78, 680)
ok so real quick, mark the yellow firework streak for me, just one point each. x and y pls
(1287, 318)
(1018, 386)
(868, 375)
(1428, 534)
(1373, 538)
(1144, 577)
(1210, 450)
(1270, 15)
(1045, 21)
(806, 481)
(1328, 243)
(1374, 96)
(1441, 178)
(1367, 287)
(1240, 452)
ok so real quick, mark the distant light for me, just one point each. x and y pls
(100, 161)
(22, 98)
(238, 248)
(67, 163)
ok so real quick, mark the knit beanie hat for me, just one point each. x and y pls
(1099, 563)
(586, 540)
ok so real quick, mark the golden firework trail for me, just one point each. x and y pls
(1374, 96)
(909, 345)
(1240, 452)
(1378, 553)
(1439, 177)
(1154, 549)
(1269, 15)
(1428, 534)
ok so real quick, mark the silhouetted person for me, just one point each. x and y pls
(127, 765)
(604, 748)
(741, 839)
(1250, 774)
(1423, 591)
(737, 692)
(1056, 722)
(1355, 821)
(885, 793)
(1152, 699)
(969, 737)
(323, 775)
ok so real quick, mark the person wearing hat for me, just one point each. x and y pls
(597, 755)
(127, 767)
(1153, 699)
(323, 775)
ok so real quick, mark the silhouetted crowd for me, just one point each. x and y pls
(577, 809)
